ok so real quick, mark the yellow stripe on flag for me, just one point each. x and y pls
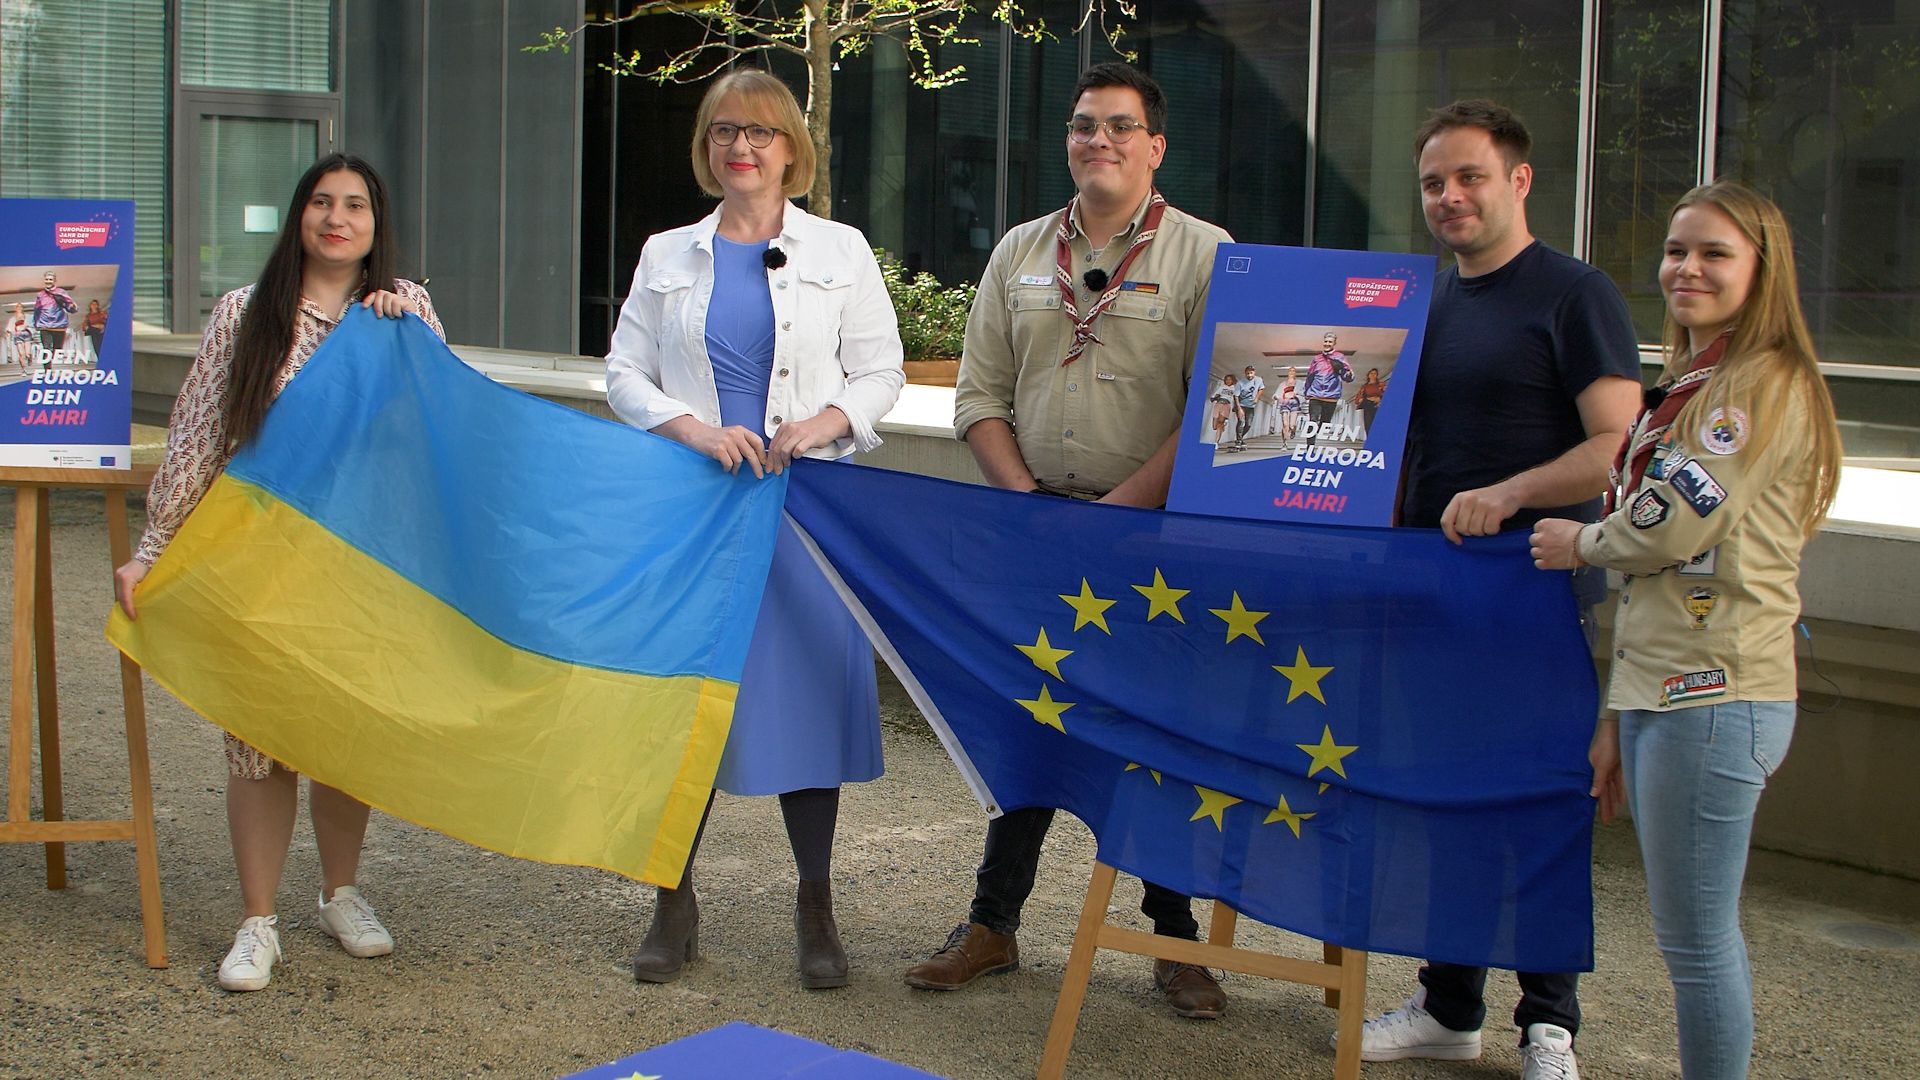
(278, 631)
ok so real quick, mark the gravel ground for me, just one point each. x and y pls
(508, 968)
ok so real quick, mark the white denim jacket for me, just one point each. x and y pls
(835, 339)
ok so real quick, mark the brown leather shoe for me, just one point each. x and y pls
(1191, 991)
(971, 951)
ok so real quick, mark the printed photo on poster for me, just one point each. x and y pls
(55, 317)
(1278, 386)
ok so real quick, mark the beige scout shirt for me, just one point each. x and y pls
(1710, 543)
(1085, 427)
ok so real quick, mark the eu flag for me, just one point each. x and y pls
(1369, 736)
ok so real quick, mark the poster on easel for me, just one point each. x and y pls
(1302, 385)
(66, 345)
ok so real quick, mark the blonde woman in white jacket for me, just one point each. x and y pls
(757, 335)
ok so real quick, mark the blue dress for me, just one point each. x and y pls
(808, 715)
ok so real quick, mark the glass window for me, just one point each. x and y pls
(1385, 63)
(73, 126)
(1646, 142)
(248, 168)
(917, 170)
(1235, 76)
(257, 44)
(1819, 102)
(1043, 76)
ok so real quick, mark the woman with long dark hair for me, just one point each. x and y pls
(1725, 476)
(336, 249)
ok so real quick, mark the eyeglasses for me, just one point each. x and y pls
(1081, 131)
(757, 135)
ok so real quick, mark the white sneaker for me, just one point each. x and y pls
(1548, 1054)
(1410, 1031)
(351, 921)
(249, 964)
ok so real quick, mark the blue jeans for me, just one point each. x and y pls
(1694, 776)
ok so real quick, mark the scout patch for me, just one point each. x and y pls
(1648, 510)
(1036, 279)
(1693, 686)
(1725, 432)
(1701, 565)
(1152, 288)
(1667, 457)
(1700, 604)
(1698, 487)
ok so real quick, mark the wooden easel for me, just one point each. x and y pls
(1342, 973)
(33, 640)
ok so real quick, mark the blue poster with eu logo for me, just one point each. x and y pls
(66, 350)
(1302, 385)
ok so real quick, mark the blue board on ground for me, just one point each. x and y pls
(743, 1051)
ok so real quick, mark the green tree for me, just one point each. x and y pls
(821, 32)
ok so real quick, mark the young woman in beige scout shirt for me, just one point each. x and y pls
(1724, 477)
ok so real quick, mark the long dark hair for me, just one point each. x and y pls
(266, 329)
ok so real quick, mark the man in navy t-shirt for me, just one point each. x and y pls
(1528, 381)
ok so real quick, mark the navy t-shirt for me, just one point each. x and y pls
(1506, 355)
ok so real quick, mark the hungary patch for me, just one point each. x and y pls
(1693, 686)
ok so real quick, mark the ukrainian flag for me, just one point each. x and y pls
(482, 612)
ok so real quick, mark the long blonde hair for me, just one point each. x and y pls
(1770, 360)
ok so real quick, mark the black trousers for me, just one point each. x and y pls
(1456, 997)
(1005, 879)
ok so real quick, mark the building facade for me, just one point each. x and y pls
(524, 184)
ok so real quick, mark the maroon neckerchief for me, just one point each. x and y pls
(1652, 424)
(1083, 334)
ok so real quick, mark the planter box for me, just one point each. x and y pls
(933, 372)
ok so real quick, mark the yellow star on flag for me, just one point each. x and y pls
(1303, 677)
(1088, 608)
(1160, 598)
(1326, 754)
(1047, 711)
(1045, 656)
(1132, 765)
(1286, 814)
(1241, 622)
(1213, 804)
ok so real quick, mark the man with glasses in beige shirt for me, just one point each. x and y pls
(1078, 353)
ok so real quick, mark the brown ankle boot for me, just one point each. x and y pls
(673, 938)
(823, 962)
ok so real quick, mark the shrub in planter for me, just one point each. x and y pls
(933, 317)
